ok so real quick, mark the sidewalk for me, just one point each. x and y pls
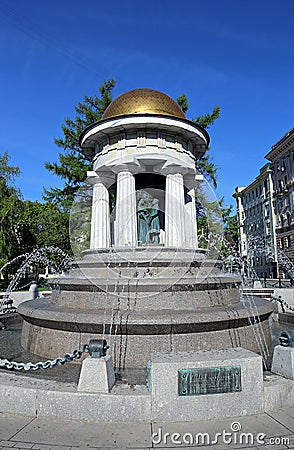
(20, 432)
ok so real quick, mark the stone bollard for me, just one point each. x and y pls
(97, 373)
(283, 361)
(33, 291)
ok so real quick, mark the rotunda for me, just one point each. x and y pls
(144, 139)
(143, 283)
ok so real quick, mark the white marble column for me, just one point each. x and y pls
(191, 240)
(125, 211)
(174, 211)
(100, 222)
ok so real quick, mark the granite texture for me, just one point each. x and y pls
(178, 300)
(283, 361)
(97, 375)
(133, 336)
(168, 406)
(278, 392)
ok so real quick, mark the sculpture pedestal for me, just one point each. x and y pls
(142, 301)
(168, 405)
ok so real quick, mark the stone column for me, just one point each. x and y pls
(125, 211)
(191, 240)
(174, 211)
(100, 222)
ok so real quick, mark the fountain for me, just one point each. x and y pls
(143, 283)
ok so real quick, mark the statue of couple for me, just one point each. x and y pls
(148, 220)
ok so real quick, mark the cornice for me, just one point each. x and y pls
(281, 146)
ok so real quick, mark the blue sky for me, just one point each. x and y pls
(236, 54)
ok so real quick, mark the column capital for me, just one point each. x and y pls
(92, 177)
(132, 167)
(107, 178)
(198, 179)
(174, 170)
(120, 168)
(193, 181)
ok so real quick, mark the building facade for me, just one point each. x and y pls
(265, 210)
(255, 213)
(282, 160)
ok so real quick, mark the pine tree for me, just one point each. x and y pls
(205, 165)
(72, 166)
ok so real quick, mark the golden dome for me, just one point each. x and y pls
(143, 101)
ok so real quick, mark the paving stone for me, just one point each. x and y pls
(10, 424)
(49, 447)
(255, 425)
(58, 447)
(5, 448)
(23, 444)
(285, 416)
(85, 435)
(41, 447)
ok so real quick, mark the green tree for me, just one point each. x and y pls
(42, 225)
(231, 229)
(205, 165)
(10, 209)
(72, 166)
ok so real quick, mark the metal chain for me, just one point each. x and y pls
(12, 365)
(6, 306)
(283, 302)
(10, 310)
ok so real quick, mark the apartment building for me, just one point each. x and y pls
(282, 160)
(265, 210)
(255, 212)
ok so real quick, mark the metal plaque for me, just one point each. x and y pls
(211, 380)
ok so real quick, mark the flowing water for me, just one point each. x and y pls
(10, 338)
(53, 258)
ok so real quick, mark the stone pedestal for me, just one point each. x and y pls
(169, 406)
(283, 361)
(97, 375)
